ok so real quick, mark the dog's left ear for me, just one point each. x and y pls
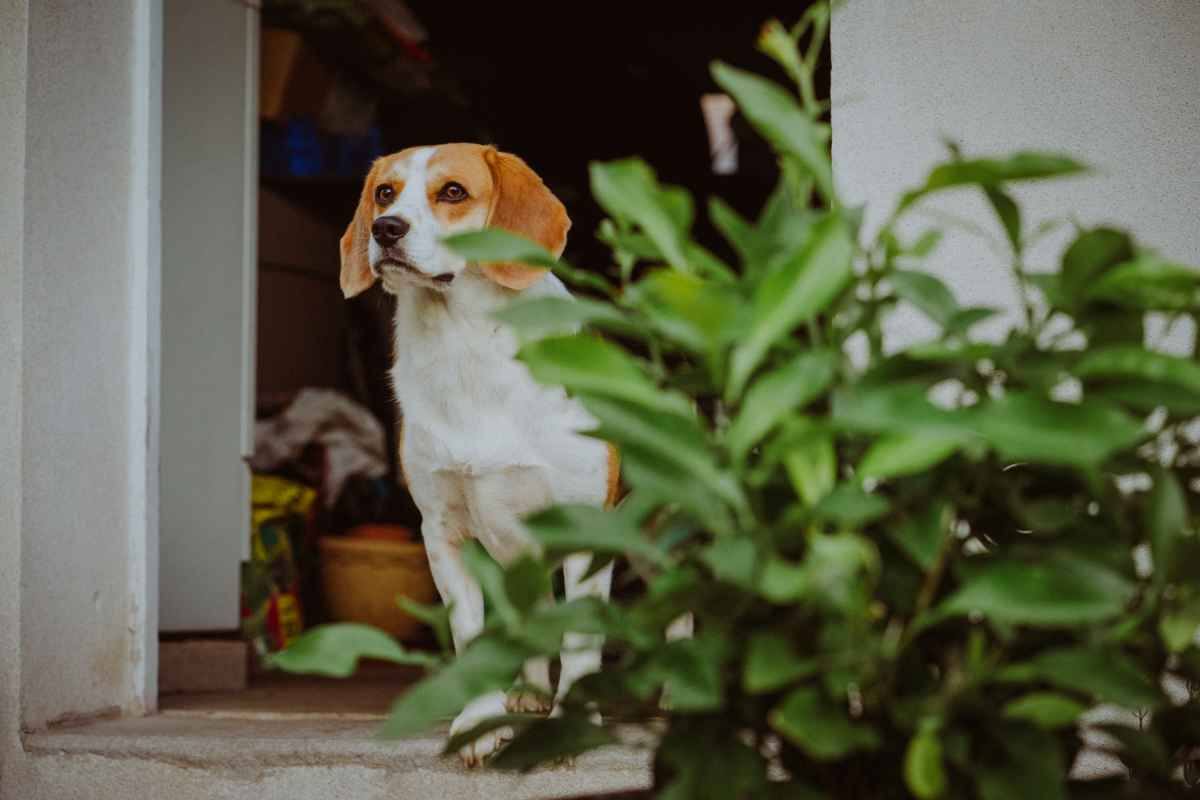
(356, 275)
(522, 204)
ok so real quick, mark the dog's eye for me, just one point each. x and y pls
(452, 193)
(384, 193)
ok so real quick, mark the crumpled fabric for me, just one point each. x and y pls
(350, 436)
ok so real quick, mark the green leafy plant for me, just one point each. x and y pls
(911, 577)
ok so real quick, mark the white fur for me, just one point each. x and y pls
(483, 443)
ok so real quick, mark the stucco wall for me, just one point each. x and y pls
(80, 643)
(1110, 81)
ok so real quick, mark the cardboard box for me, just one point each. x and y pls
(293, 82)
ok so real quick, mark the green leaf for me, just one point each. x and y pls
(1009, 214)
(490, 577)
(527, 583)
(1142, 751)
(1025, 427)
(900, 454)
(1180, 624)
(921, 537)
(545, 627)
(551, 739)
(927, 293)
(949, 352)
(463, 738)
(820, 729)
(923, 769)
(801, 287)
(850, 507)
(926, 243)
(778, 43)
(1048, 710)
(774, 112)
(690, 670)
(533, 318)
(1032, 767)
(773, 663)
(629, 190)
(1022, 166)
(895, 407)
(784, 582)
(784, 225)
(1148, 283)
(770, 398)
(961, 321)
(696, 313)
(1106, 325)
(667, 454)
(1051, 286)
(1146, 396)
(1092, 252)
(568, 529)
(1052, 592)
(706, 264)
(435, 615)
(811, 464)
(1106, 675)
(698, 761)
(837, 571)
(1134, 363)
(737, 231)
(1166, 522)
(733, 559)
(489, 664)
(334, 650)
(497, 244)
(586, 364)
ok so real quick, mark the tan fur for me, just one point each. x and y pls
(523, 204)
(356, 275)
(614, 476)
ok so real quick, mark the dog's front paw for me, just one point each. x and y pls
(487, 744)
(527, 701)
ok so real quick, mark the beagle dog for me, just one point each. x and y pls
(482, 444)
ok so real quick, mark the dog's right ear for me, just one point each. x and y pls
(357, 276)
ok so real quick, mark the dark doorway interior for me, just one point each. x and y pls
(345, 81)
(559, 85)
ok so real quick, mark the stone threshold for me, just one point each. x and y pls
(181, 756)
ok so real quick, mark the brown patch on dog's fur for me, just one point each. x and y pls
(523, 205)
(356, 275)
(614, 476)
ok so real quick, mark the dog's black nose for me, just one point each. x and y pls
(389, 230)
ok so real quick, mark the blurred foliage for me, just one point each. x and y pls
(898, 592)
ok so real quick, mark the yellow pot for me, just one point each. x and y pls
(363, 578)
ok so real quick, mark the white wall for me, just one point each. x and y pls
(13, 25)
(1112, 82)
(210, 177)
(87, 448)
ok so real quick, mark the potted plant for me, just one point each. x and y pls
(911, 576)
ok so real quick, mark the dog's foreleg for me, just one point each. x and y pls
(460, 591)
(581, 652)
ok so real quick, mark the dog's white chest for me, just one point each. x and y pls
(468, 406)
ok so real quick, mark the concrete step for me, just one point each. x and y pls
(188, 757)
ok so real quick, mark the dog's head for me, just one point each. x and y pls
(414, 198)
